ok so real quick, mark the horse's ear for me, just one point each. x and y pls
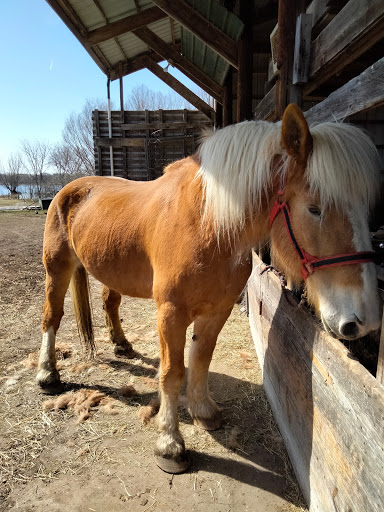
(295, 134)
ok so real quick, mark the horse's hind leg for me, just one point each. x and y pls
(111, 301)
(58, 276)
(202, 408)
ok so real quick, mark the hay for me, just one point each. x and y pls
(146, 413)
(81, 402)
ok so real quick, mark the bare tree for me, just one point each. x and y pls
(78, 134)
(36, 160)
(143, 98)
(66, 164)
(11, 175)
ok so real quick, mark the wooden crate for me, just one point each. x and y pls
(329, 408)
(144, 142)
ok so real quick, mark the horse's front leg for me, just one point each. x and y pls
(202, 408)
(170, 449)
(111, 302)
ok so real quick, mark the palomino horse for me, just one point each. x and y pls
(185, 240)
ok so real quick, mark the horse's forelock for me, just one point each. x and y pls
(344, 165)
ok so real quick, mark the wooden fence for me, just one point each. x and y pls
(144, 142)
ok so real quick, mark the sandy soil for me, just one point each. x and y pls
(51, 460)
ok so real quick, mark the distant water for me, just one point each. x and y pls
(26, 192)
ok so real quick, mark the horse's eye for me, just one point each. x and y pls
(314, 210)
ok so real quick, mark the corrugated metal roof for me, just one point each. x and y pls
(200, 54)
(84, 16)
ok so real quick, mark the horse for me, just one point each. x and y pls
(185, 240)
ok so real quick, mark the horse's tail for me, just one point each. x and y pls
(79, 289)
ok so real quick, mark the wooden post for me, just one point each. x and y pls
(286, 92)
(228, 100)
(219, 115)
(245, 56)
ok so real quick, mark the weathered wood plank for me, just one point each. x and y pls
(355, 29)
(184, 14)
(266, 108)
(302, 49)
(124, 25)
(328, 407)
(119, 142)
(180, 88)
(163, 126)
(136, 63)
(363, 92)
(181, 63)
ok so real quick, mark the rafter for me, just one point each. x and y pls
(124, 25)
(136, 63)
(179, 87)
(193, 21)
(181, 63)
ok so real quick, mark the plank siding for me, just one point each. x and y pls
(329, 408)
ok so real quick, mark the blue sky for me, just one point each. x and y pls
(46, 74)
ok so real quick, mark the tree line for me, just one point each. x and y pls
(46, 167)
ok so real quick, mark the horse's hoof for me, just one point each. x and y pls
(175, 466)
(124, 351)
(209, 423)
(51, 388)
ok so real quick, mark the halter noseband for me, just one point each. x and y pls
(308, 262)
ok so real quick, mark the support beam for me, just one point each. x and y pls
(286, 92)
(213, 37)
(136, 63)
(181, 63)
(124, 25)
(179, 88)
(228, 100)
(363, 92)
(245, 55)
(286, 22)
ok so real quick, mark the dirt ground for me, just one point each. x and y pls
(58, 460)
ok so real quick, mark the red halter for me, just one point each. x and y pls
(308, 262)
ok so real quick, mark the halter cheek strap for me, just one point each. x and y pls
(308, 262)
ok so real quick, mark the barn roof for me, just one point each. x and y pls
(121, 35)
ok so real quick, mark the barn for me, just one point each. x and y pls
(254, 58)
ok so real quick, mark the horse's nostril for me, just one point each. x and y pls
(349, 329)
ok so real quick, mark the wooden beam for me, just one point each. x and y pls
(134, 127)
(119, 142)
(286, 22)
(355, 29)
(179, 88)
(193, 21)
(181, 63)
(302, 49)
(245, 56)
(228, 99)
(136, 63)
(361, 93)
(124, 25)
(266, 108)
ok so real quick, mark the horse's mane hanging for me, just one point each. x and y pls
(237, 168)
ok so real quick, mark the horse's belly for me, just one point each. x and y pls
(131, 276)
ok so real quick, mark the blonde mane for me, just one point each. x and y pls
(237, 168)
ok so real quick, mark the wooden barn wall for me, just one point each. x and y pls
(144, 142)
(329, 408)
